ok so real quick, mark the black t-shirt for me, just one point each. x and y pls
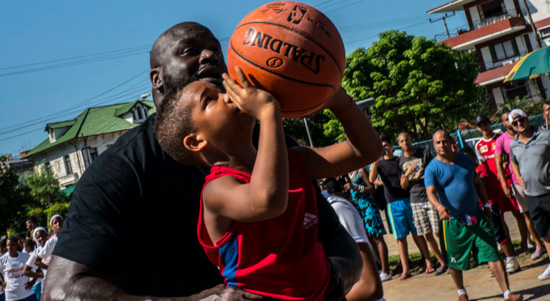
(420, 159)
(134, 216)
(389, 174)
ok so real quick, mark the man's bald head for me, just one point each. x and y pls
(184, 53)
(157, 57)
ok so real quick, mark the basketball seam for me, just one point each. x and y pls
(307, 37)
(280, 75)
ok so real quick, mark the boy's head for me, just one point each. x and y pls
(197, 122)
(469, 152)
(29, 245)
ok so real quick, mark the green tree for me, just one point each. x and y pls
(418, 85)
(44, 187)
(15, 198)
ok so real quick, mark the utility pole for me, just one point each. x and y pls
(444, 18)
(537, 37)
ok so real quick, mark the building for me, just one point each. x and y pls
(21, 166)
(72, 145)
(501, 32)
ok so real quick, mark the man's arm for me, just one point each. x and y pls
(341, 250)
(444, 213)
(500, 174)
(515, 170)
(77, 281)
(404, 180)
(369, 286)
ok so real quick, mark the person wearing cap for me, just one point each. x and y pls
(43, 256)
(530, 150)
(510, 184)
(485, 151)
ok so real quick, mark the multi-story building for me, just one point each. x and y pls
(72, 145)
(501, 32)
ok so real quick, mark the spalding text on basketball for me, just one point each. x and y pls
(308, 59)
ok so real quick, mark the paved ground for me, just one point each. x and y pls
(479, 284)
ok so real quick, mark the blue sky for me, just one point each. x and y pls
(61, 57)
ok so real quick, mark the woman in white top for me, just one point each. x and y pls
(44, 254)
(17, 285)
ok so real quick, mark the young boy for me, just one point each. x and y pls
(258, 218)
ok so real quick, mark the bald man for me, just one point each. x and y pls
(131, 227)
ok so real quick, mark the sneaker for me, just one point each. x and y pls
(514, 297)
(440, 270)
(512, 266)
(386, 276)
(546, 274)
(539, 251)
(530, 245)
(463, 297)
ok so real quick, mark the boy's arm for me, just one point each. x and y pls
(266, 195)
(362, 146)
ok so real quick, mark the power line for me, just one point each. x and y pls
(79, 104)
(78, 57)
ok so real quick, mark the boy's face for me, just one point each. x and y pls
(57, 224)
(42, 237)
(214, 115)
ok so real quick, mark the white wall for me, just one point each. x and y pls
(499, 98)
(540, 9)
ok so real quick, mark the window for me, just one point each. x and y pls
(140, 114)
(491, 9)
(48, 167)
(92, 151)
(504, 50)
(68, 166)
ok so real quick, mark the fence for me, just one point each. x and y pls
(471, 137)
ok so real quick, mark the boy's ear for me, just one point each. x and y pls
(194, 143)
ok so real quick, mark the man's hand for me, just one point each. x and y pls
(444, 213)
(220, 292)
(507, 191)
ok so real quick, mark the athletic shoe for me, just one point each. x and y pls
(440, 270)
(512, 266)
(529, 245)
(385, 277)
(514, 297)
(539, 251)
(463, 297)
(546, 274)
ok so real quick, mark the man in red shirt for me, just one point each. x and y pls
(485, 151)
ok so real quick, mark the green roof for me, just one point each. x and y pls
(91, 122)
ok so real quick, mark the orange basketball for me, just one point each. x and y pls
(291, 50)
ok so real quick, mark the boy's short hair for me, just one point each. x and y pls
(172, 123)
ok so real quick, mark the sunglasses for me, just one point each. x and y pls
(517, 121)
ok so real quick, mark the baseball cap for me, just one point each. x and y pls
(518, 112)
(482, 119)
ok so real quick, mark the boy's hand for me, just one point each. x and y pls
(249, 99)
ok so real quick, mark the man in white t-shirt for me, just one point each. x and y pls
(369, 285)
(17, 286)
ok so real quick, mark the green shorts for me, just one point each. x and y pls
(461, 241)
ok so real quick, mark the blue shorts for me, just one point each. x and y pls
(401, 218)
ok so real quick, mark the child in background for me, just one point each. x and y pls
(258, 218)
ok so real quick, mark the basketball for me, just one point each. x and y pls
(291, 50)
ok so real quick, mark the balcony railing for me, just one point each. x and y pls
(511, 13)
(507, 61)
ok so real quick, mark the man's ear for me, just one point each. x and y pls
(155, 75)
(194, 143)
